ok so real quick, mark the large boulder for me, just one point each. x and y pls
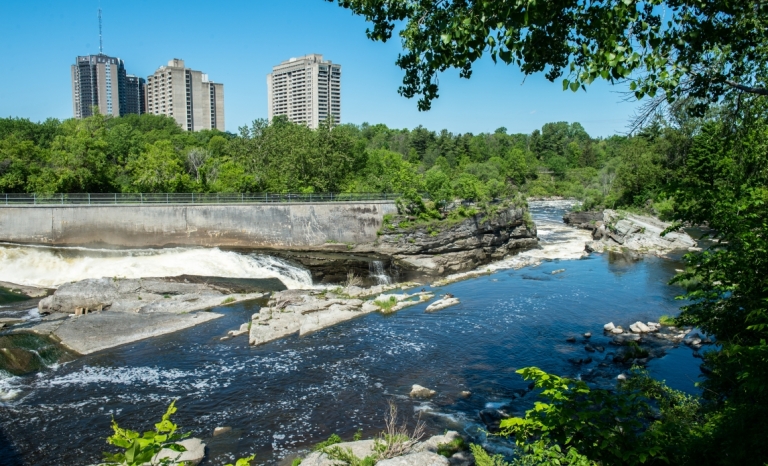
(417, 391)
(424, 458)
(192, 457)
(585, 219)
(442, 304)
(360, 449)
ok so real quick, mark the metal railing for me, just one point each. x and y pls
(11, 199)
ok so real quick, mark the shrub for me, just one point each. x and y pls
(387, 305)
(332, 440)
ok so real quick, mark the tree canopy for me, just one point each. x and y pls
(699, 48)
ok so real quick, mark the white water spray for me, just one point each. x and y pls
(51, 267)
(377, 272)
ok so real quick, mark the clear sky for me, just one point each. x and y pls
(237, 42)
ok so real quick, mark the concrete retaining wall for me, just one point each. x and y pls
(270, 226)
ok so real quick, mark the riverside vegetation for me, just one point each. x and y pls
(697, 157)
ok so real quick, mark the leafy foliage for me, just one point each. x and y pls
(138, 449)
(675, 47)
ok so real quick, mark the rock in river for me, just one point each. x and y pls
(417, 391)
(442, 304)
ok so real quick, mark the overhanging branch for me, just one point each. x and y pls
(749, 89)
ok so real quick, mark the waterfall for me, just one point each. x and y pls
(50, 267)
(377, 272)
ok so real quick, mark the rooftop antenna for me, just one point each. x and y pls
(101, 45)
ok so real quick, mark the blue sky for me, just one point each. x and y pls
(237, 42)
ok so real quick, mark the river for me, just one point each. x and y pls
(282, 397)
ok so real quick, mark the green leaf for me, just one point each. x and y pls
(565, 84)
(574, 86)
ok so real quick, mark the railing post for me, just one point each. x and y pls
(166, 198)
(34, 198)
(141, 198)
(89, 198)
(115, 198)
(193, 198)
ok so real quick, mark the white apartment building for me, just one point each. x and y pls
(307, 90)
(187, 96)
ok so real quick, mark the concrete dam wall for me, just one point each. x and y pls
(267, 226)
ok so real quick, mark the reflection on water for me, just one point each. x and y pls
(281, 397)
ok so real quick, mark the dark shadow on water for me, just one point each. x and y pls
(9, 456)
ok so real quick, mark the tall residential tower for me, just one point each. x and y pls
(307, 90)
(187, 96)
(98, 81)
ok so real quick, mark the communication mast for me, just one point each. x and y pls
(101, 45)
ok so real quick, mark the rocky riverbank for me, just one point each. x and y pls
(95, 314)
(440, 450)
(452, 246)
(410, 249)
(621, 231)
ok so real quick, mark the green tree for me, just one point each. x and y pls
(159, 169)
(681, 47)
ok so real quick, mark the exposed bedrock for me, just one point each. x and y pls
(95, 314)
(622, 231)
(449, 247)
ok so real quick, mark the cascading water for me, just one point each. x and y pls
(51, 267)
(378, 274)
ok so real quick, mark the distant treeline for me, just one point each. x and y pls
(151, 153)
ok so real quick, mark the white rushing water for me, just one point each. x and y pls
(51, 267)
(377, 272)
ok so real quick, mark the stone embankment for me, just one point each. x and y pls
(620, 231)
(95, 314)
(306, 311)
(449, 247)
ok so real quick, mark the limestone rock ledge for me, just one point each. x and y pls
(445, 247)
(621, 231)
(306, 311)
(96, 314)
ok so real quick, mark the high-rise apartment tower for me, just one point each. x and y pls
(307, 90)
(98, 81)
(135, 97)
(187, 96)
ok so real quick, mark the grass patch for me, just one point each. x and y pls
(231, 299)
(667, 321)
(387, 305)
(451, 448)
(332, 440)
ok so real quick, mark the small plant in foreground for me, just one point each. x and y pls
(358, 435)
(332, 440)
(139, 449)
(242, 461)
(451, 448)
(396, 439)
(231, 299)
(296, 462)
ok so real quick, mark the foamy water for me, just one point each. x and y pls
(51, 267)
